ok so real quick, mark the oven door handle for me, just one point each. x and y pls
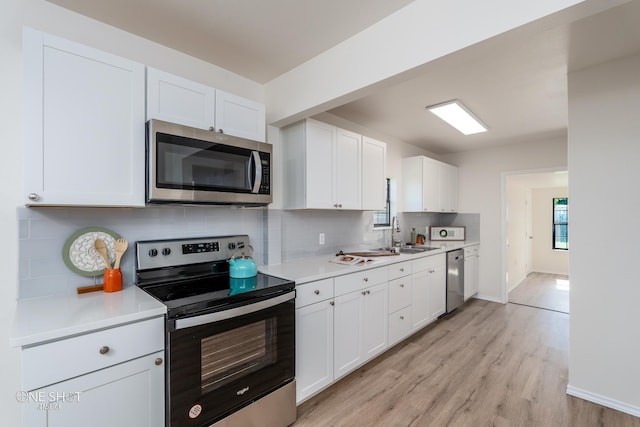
(189, 322)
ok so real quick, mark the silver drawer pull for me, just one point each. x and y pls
(402, 285)
(402, 270)
(363, 292)
(332, 303)
(401, 317)
(104, 349)
(317, 292)
(158, 361)
(366, 279)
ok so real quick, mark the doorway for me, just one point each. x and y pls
(535, 271)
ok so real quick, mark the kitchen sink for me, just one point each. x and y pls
(416, 250)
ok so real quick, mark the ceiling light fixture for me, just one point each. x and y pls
(458, 116)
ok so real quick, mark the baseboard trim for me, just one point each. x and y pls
(488, 298)
(603, 400)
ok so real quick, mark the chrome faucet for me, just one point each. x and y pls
(395, 229)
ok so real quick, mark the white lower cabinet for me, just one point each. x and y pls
(428, 288)
(106, 378)
(314, 337)
(399, 325)
(128, 394)
(360, 318)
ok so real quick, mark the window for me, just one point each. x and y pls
(561, 223)
(383, 218)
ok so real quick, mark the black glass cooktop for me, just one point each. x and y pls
(191, 297)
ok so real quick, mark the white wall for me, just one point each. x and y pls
(480, 180)
(604, 149)
(397, 46)
(518, 214)
(545, 258)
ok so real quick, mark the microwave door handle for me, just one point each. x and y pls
(255, 167)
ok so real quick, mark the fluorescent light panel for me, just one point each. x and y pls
(458, 116)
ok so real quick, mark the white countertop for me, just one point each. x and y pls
(38, 320)
(320, 267)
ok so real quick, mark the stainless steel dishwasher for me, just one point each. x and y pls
(455, 279)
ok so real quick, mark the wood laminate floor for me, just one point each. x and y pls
(489, 364)
(543, 290)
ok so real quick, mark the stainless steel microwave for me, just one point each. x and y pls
(194, 166)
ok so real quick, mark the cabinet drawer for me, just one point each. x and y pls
(357, 281)
(313, 292)
(399, 325)
(428, 262)
(399, 270)
(56, 361)
(471, 251)
(399, 293)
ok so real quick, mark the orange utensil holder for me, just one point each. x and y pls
(112, 280)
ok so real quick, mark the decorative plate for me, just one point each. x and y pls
(80, 254)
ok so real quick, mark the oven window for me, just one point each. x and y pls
(235, 353)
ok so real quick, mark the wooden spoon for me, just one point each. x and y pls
(102, 250)
(121, 247)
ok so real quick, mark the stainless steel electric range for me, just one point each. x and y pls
(230, 343)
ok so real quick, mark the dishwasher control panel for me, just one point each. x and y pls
(446, 233)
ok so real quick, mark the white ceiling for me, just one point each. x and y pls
(516, 82)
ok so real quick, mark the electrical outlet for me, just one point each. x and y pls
(321, 238)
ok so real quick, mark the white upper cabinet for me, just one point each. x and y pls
(429, 185)
(84, 125)
(374, 175)
(178, 100)
(348, 164)
(326, 167)
(240, 116)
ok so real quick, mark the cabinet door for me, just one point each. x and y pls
(314, 348)
(240, 116)
(430, 185)
(128, 394)
(178, 100)
(399, 325)
(470, 275)
(84, 125)
(437, 296)
(448, 188)
(348, 315)
(347, 179)
(375, 320)
(420, 300)
(374, 175)
(320, 154)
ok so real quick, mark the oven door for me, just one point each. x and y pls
(222, 361)
(193, 165)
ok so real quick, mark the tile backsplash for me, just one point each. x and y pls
(276, 235)
(43, 232)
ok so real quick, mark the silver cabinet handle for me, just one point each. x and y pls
(366, 279)
(402, 285)
(212, 129)
(368, 292)
(158, 361)
(104, 349)
(220, 131)
(317, 292)
(332, 303)
(402, 270)
(34, 197)
(401, 317)
(363, 292)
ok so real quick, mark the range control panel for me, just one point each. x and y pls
(176, 252)
(446, 233)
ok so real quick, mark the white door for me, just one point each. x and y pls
(314, 348)
(178, 100)
(348, 193)
(375, 321)
(374, 177)
(320, 146)
(348, 315)
(84, 143)
(240, 116)
(128, 394)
